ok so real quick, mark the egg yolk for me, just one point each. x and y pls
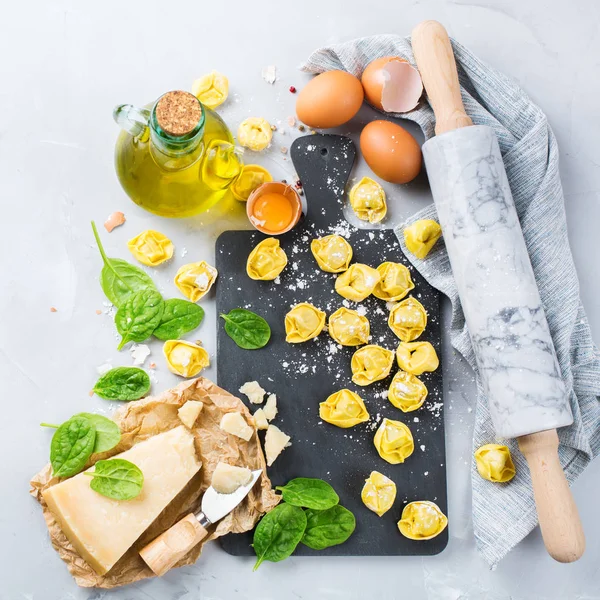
(274, 211)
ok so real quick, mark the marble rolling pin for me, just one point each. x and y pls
(497, 288)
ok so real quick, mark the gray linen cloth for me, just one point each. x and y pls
(503, 514)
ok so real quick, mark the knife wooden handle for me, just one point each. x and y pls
(435, 60)
(557, 512)
(171, 546)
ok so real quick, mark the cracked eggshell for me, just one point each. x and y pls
(392, 84)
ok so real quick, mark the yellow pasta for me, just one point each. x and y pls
(495, 463)
(367, 199)
(266, 261)
(184, 358)
(417, 357)
(348, 328)
(408, 319)
(378, 493)
(394, 441)
(304, 322)
(211, 89)
(249, 179)
(371, 363)
(255, 133)
(151, 247)
(422, 520)
(395, 282)
(195, 279)
(407, 392)
(358, 282)
(344, 409)
(421, 236)
(333, 253)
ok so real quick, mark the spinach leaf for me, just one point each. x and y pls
(309, 493)
(248, 330)
(116, 478)
(139, 316)
(120, 279)
(123, 383)
(179, 317)
(325, 528)
(72, 445)
(108, 434)
(278, 533)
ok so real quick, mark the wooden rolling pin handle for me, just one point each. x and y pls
(557, 512)
(435, 60)
(170, 547)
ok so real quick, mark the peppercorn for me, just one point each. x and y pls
(292, 89)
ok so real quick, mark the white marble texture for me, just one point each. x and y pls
(499, 296)
(64, 65)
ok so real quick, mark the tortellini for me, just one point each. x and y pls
(151, 247)
(378, 493)
(421, 236)
(408, 319)
(333, 253)
(348, 328)
(395, 282)
(255, 133)
(367, 199)
(249, 179)
(495, 463)
(304, 322)
(417, 357)
(371, 363)
(266, 261)
(422, 520)
(344, 409)
(184, 358)
(394, 441)
(195, 279)
(407, 392)
(211, 89)
(358, 282)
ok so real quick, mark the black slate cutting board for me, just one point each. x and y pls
(303, 375)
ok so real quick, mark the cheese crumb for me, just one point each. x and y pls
(235, 424)
(275, 442)
(253, 391)
(270, 409)
(226, 479)
(139, 353)
(188, 413)
(260, 419)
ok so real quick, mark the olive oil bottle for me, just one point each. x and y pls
(176, 158)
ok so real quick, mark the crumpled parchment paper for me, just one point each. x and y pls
(139, 421)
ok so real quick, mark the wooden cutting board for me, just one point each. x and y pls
(303, 375)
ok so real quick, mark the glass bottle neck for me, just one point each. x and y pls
(176, 146)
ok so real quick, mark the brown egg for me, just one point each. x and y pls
(329, 100)
(391, 152)
(391, 84)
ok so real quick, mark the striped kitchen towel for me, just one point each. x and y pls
(504, 514)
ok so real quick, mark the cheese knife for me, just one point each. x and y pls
(171, 546)
(511, 338)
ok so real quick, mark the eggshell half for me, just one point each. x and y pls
(329, 100)
(392, 84)
(390, 151)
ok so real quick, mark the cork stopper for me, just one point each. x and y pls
(177, 113)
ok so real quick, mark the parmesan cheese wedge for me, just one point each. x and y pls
(275, 442)
(188, 413)
(102, 529)
(235, 424)
(260, 419)
(226, 479)
(270, 408)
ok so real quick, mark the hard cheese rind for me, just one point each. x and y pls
(101, 529)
